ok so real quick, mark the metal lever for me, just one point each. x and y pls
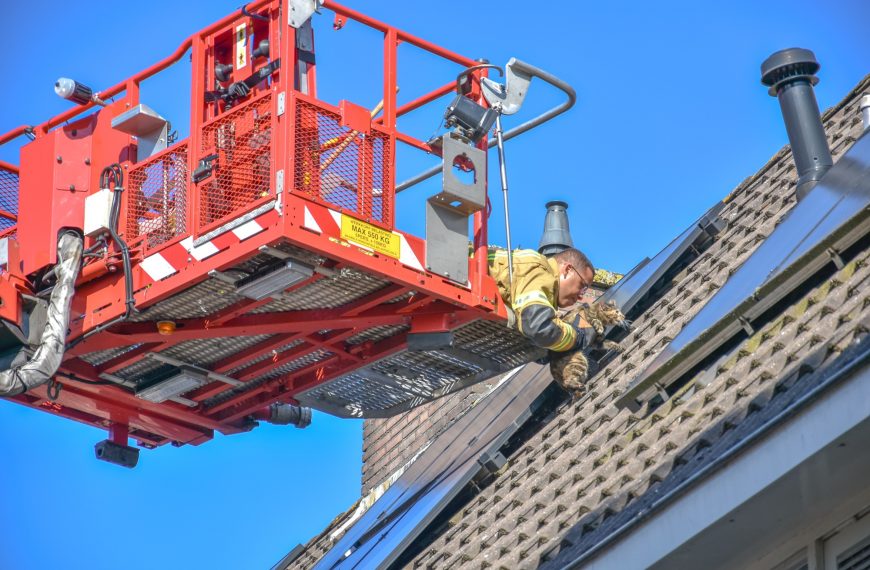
(510, 96)
(504, 192)
(532, 71)
(205, 168)
(463, 75)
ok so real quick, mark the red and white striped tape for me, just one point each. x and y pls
(321, 220)
(172, 259)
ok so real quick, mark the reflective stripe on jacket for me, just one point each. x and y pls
(535, 290)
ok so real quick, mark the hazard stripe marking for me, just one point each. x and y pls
(204, 251)
(247, 230)
(157, 267)
(310, 223)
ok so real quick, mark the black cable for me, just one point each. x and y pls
(76, 378)
(252, 15)
(114, 174)
(52, 390)
(115, 217)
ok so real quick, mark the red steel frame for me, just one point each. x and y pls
(439, 304)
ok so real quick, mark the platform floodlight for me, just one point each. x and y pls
(186, 380)
(274, 282)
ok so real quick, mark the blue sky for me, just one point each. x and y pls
(670, 117)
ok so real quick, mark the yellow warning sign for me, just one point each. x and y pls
(241, 46)
(371, 236)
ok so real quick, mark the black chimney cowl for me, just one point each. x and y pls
(790, 76)
(557, 234)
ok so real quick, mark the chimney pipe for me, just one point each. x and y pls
(790, 75)
(865, 111)
(557, 234)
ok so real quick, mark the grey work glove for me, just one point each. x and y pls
(238, 90)
(586, 334)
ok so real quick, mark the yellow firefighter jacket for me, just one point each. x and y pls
(534, 297)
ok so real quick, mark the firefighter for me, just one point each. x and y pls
(541, 284)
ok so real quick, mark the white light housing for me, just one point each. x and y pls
(272, 283)
(186, 380)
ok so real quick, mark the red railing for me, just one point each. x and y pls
(340, 166)
(241, 142)
(8, 198)
(157, 200)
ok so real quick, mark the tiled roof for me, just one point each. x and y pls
(592, 467)
(594, 464)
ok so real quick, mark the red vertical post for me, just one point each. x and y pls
(481, 237)
(365, 179)
(311, 73)
(390, 64)
(119, 433)
(285, 153)
(132, 93)
(199, 74)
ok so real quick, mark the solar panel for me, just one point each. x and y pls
(832, 217)
(629, 291)
(413, 501)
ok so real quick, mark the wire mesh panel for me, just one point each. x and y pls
(401, 381)
(342, 167)
(157, 203)
(8, 199)
(240, 145)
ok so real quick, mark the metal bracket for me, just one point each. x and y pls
(447, 212)
(282, 101)
(279, 182)
(747, 326)
(835, 257)
(508, 97)
(301, 11)
(279, 192)
(150, 129)
(456, 195)
(205, 371)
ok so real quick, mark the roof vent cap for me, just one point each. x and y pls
(788, 65)
(557, 234)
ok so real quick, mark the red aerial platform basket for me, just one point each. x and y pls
(265, 266)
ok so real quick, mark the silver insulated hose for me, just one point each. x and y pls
(39, 369)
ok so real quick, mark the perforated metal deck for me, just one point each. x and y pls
(385, 386)
(392, 385)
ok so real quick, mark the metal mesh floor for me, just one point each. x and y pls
(482, 349)
(100, 357)
(201, 300)
(300, 362)
(203, 353)
(326, 293)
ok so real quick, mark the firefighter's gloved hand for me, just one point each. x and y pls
(587, 333)
(239, 90)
